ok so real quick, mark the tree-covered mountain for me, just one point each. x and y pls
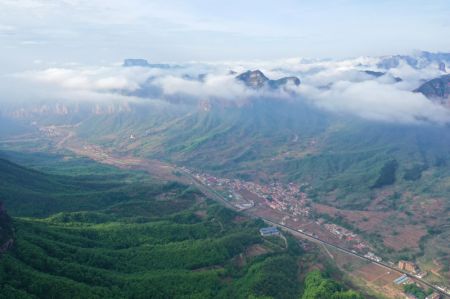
(145, 241)
(285, 140)
(268, 138)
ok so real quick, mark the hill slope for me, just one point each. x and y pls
(268, 139)
(166, 242)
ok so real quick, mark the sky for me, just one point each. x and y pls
(62, 51)
(98, 32)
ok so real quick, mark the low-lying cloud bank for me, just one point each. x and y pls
(342, 87)
(374, 101)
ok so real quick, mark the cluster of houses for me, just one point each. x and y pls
(281, 197)
(341, 232)
(411, 268)
(408, 266)
(404, 280)
(373, 257)
(347, 235)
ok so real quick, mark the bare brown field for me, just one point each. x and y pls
(407, 237)
(364, 220)
(368, 275)
(429, 210)
(250, 195)
(372, 272)
(394, 236)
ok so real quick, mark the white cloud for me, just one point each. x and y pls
(348, 90)
(413, 78)
(73, 84)
(374, 101)
(213, 86)
(90, 78)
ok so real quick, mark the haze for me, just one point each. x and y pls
(80, 31)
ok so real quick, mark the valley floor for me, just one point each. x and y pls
(305, 226)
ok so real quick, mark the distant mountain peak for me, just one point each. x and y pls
(417, 60)
(256, 79)
(437, 89)
(129, 62)
(132, 62)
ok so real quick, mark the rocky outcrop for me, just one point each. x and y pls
(256, 79)
(253, 79)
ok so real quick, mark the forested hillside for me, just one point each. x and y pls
(78, 238)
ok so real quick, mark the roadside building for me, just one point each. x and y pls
(407, 266)
(401, 280)
(269, 231)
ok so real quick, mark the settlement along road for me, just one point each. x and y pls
(218, 197)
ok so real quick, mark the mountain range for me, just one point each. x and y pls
(267, 135)
(364, 141)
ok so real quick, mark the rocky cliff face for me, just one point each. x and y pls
(64, 110)
(6, 231)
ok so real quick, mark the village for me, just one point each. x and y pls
(284, 198)
(289, 202)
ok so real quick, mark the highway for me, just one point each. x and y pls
(218, 197)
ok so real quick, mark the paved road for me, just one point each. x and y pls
(218, 197)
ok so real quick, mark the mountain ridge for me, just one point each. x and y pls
(437, 89)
